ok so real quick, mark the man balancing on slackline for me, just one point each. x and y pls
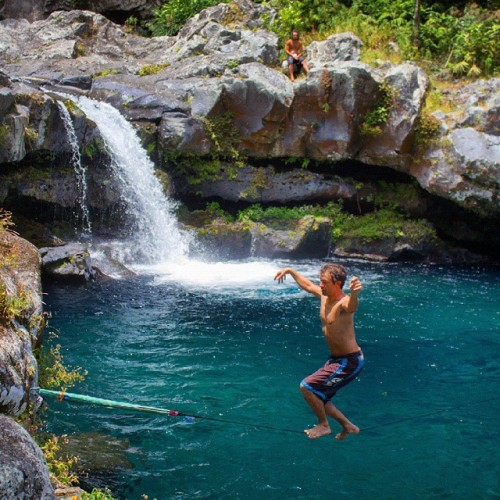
(346, 360)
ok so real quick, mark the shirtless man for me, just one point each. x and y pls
(295, 53)
(346, 360)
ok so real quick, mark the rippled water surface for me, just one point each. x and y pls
(225, 341)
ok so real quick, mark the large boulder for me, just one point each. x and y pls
(310, 238)
(406, 85)
(464, 167)
(71, 263)
(21, 322)
(265, 185)
(23, 471)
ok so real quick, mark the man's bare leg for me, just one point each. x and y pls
(306, 67)
(290, 72)
(318, 407)
(347, 426)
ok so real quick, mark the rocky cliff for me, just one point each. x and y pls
(217, 112)
(23, 472)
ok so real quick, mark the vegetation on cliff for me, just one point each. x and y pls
(462, 38)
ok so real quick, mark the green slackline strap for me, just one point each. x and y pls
(68, 396)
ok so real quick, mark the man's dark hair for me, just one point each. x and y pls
(336, 271)
(294, 31)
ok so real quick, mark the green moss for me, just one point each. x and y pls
(93, 148)
(285, 217)
(383, 224)
(152, 69)
(105, 72)
(164, 179)
(378, 115)
(195, 168)
(80, 49)
(260, 180)
(72, 107)
(221, 131)
(427, 131)
(396, 196)
(4, 135)
(31, 135)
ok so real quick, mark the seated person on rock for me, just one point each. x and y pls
(295, 53)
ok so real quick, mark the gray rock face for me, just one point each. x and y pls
(23, 471)
(264, 185)
(310, 238)
(307, 237)
(466, 169)
(34, 10)
(70, 262)
(408, 85)
(21, 327)
(336, 48)
(224, 63)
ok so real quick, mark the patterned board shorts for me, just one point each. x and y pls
(336, 372)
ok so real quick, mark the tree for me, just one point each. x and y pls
(416, 23)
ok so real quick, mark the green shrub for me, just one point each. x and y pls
(256, 213)
(378, 115)
(385, 223)
(172, 16)
(52, 372)
(61, 468)
(14, 306)
(465, 41)
(215, 211)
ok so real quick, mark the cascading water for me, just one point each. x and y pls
(80, 173)
(155, 236)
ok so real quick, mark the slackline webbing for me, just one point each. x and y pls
(68, 396)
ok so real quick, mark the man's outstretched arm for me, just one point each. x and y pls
(304, 283)
(353, 301)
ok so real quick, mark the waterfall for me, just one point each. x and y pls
(154, 235)
(80, 173)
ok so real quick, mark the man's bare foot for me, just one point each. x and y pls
(348, 429)
(318, 431)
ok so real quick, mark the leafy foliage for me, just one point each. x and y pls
(463, 37)
(256, 213)
(60, 468)
(172, 16)
(385, 223)
(53, 373)
(379, 113)
(6, 223)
